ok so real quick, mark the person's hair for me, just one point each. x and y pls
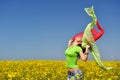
(83, 49)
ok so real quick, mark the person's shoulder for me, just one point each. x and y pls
(77, 46)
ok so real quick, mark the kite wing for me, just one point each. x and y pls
(89, 39)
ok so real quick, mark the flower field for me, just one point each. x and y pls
(54, 70)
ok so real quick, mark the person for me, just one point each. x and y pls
(72, 54)
(96, 34)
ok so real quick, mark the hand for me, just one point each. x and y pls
(87, 46)
(70, 41)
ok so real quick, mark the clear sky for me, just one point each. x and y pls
(40, 29)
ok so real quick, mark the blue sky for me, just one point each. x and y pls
(40, 29)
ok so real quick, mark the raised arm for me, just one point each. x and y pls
(84, 56)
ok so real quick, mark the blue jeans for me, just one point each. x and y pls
(76, 75)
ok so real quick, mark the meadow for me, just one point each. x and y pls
(54, 70)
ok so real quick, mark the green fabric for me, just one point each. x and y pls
(72, 54)
(88, 39)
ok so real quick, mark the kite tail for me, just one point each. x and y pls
(95, 53)
(89, 39)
